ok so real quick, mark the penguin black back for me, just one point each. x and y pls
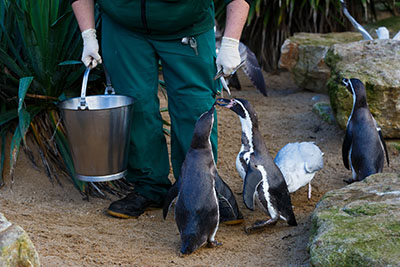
(363, 148)
(196, 209)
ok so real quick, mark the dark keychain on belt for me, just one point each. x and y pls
(109, 89)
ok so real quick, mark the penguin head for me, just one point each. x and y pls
(356, 88)
(203, 128)
(241, 107)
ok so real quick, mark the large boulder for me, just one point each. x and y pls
(358, 225)
(377, 64)
(16, 248)
(303, 56)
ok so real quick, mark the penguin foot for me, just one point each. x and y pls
(213, 244)
(260, 225)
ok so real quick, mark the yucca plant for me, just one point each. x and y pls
(38, 39)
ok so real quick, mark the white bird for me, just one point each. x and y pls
(382, 32)
(298, 163)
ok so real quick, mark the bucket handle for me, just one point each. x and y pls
(83, 105)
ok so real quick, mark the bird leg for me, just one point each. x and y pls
(213, 243)
(309, 191)
(259, 226)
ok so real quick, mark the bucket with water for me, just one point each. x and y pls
(98, 130)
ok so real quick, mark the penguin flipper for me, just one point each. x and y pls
(284, 203)
(346, 147)
(383, 144)
(251, 181)
(172, 194)
(226, 194)
(253, 70)
(234, 82)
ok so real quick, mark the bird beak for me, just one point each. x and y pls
(223, 102)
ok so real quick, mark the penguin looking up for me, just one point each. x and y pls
(298, 163)
(363, 147)
(262, 179)
(200, 192)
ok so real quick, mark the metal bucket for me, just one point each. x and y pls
(98, 130)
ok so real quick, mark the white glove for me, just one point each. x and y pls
(90, 54)
(228, 56)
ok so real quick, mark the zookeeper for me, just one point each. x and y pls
(136, 35)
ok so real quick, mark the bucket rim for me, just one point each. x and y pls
(63, 104)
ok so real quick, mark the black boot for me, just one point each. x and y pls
(131, 206)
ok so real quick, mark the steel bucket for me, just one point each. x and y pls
(98, 130)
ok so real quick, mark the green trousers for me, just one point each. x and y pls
(132, 62)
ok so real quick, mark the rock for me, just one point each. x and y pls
(303, 56)
(324, 110)
(16, 248)
(377, 64)
(358, 225)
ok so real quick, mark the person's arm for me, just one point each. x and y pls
(84, 13)
(236, 15)
(228, 56)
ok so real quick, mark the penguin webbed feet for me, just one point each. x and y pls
(213, 244)
(259, 226)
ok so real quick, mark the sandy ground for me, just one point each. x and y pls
(70, 231)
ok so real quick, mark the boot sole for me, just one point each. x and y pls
(127, 216)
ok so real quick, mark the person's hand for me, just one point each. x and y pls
(228, 56)
(90, 54)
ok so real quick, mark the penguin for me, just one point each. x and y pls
(299, 163)
(364, 148)
(381, 32)
(262, 180)
(199, 190)
(251, 67)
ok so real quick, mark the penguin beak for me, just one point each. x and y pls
(223, 102)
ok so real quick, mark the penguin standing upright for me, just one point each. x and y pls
(199, 190)
(363, 148)
(263, 181)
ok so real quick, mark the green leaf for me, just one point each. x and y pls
(14, 150)
(8, 116)
(24, 122)
(70, 62)
(24, 84)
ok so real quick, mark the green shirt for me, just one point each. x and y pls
(162, 19)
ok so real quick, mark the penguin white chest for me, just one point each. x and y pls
(242, 160)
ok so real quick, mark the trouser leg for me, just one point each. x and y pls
(191, 90)
(133, 67)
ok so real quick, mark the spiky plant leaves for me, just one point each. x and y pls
(24, 120)
(7, 116)
(24, 84)
(70, 62)
(24, 117)
(14, 149)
